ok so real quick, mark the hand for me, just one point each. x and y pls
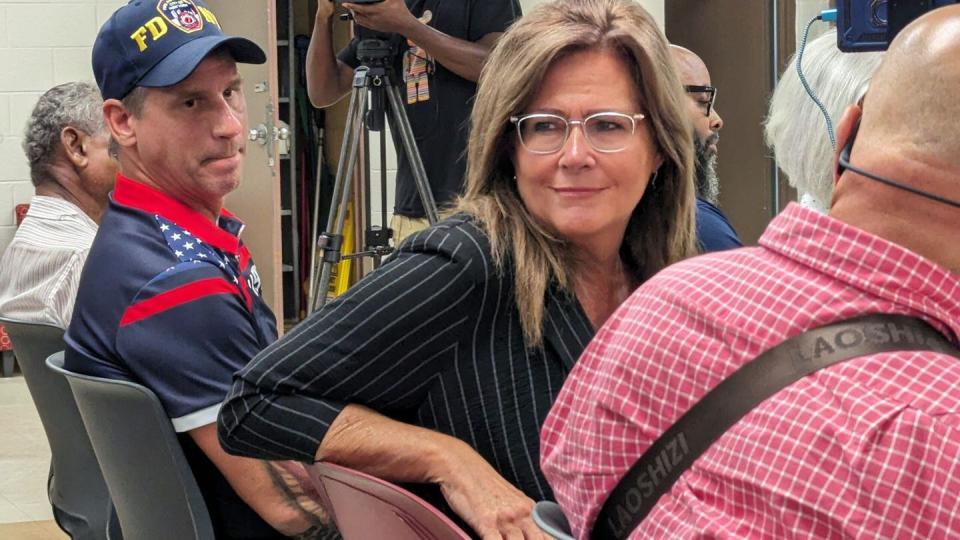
(325, 9)
(387, 16)
(486, 501)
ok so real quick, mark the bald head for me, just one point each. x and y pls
(693, 72)
(912, 104)
(691, 68)
(908, 135)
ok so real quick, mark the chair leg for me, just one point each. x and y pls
(113, 524)
(6, 369)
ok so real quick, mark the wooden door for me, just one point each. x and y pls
(257, 201)
(745, 46)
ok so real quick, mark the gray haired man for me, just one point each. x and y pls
(66, 146)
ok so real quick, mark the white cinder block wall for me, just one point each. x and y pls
(42, 43)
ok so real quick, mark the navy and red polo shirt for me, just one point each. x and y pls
(169, 300)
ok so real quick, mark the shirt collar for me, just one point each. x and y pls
(57, 209)
(866, 261)
(133, 194)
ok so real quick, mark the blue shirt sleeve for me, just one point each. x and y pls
(184, 336)
(714, 231)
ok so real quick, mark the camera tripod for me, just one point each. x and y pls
(374, 78)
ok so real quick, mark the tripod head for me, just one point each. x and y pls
(374, 46)
(379, 50)
(379, 56)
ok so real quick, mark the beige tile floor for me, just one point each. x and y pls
(24, 462)
(32, 530)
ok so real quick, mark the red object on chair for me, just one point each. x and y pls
(5, 343)
(6, 354)
(364, 507)
(20, 211)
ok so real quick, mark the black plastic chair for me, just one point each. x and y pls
(77, 492)
(156, 494)
(549, 517)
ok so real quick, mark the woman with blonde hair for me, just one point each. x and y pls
(440, 366)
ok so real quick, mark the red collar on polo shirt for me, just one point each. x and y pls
(131, 193)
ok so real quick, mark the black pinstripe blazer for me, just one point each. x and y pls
(432, 338)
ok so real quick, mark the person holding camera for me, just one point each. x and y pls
(443, 46)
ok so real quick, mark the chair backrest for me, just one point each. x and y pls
(155, 492)
(550, 518)
(364, 506)
(77, 491)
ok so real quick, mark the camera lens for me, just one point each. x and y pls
(878, 12)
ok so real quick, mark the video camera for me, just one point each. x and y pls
(870, 25)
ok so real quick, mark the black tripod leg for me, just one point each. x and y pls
(402, 125)
(341, 191)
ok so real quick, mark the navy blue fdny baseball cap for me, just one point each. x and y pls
(158, 43)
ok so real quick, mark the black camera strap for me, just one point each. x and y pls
(680, 445)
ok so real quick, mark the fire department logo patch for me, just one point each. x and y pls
(182, 14)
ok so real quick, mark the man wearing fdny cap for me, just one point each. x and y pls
(169, 297)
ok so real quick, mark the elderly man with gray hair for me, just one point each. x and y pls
(795, 128)
(66, 146)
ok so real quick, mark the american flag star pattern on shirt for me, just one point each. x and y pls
(188, 248)
(869, 448)
(166, 286)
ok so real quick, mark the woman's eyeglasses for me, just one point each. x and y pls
(545, 133)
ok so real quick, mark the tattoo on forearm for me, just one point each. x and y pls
(298, 498)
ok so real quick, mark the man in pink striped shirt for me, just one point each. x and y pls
(867, 448)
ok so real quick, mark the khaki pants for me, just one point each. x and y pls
(404, 226)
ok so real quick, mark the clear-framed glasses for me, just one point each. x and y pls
(545, 133)
(706, 96)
